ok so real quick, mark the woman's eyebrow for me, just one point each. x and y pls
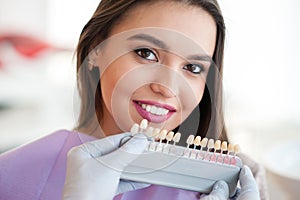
(150, 39)
(200, 57)
(162, 45)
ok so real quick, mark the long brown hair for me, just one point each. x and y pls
(110, 12)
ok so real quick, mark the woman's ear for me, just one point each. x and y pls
(92, 59)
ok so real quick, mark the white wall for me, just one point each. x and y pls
(261, 60)
(66, 19)
(28, 16)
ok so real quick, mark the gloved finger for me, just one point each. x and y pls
(104, 146)
(126, 186)
(249, 189)
(247, 160)
(237, 194)
(121, 157)
(220, 191)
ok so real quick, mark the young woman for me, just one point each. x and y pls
(136, 59)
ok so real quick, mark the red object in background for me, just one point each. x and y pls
(27, 46)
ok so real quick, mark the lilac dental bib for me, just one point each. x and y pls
(37, 170)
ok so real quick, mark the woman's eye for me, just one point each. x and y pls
(194, 68)
(146, 54)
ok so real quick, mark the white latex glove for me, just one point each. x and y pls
(248, 191)
(94, 168)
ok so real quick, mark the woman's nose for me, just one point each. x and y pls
(164, 91)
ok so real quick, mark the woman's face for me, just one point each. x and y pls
(154, 65)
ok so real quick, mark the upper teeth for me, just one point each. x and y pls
(154, 109)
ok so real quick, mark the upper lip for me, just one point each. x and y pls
(155, 103)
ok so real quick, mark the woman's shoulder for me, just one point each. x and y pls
(28, 169)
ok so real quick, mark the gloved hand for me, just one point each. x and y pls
(94, 168)
(259, 174)
(248, 191)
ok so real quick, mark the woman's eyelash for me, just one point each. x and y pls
(147, 54)
(194, 68)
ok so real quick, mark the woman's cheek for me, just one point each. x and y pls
(108, 82)
(197, 90)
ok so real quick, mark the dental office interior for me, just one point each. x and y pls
(261, 78)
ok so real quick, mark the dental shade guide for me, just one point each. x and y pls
(183, 167)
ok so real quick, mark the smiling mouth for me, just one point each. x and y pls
(154, 111)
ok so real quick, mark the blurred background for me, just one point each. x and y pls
(37, 77)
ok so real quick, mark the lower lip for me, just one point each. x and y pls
(151, 117)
